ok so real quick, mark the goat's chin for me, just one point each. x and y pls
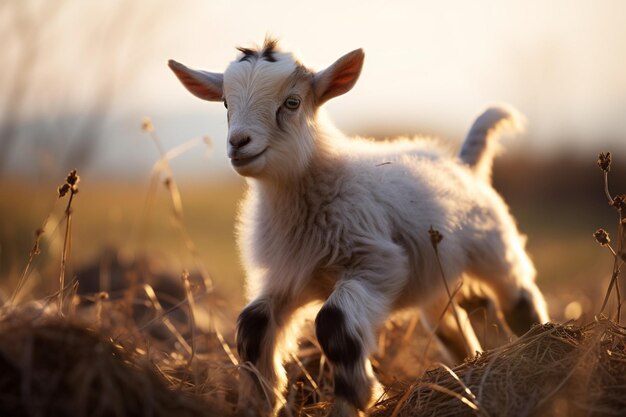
(254, 168)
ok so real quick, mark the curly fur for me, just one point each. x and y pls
(345, 220)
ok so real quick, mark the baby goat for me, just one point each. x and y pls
(345, 221)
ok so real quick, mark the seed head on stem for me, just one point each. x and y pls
(602, 237)
(604, 161)
(71, 186)
(435, 237)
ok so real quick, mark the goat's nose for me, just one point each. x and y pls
(239, 141)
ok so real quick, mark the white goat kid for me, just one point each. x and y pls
(345, 221)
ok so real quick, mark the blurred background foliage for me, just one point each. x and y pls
(78, 77)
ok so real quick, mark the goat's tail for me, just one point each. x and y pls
(481, 143)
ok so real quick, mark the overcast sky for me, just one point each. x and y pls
(430, 67)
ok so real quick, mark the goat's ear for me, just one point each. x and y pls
(202, 84)
(339, 78)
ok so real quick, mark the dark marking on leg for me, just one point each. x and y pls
(475, 302)
(454, 345)
(251, 327)
(346, 390)
(522, 316)
(343, 350)
(338, 344)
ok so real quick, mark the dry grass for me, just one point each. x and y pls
(153, 344)
(553, 370)
(82, 367)
(55, 367)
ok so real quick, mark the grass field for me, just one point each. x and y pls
(119, 241)
(558, 204)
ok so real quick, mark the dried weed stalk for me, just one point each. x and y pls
(70, 186)
(602, 237)
(34, 252)
(435, 239)
(163, 167)
(191, 309)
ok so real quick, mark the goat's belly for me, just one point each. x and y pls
(323, 282)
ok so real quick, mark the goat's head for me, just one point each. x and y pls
(272, 100)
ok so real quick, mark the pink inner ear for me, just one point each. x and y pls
(201, 90)
(344, 78)
(342, 75)
(204, 85)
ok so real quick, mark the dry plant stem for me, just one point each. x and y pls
(306, 373)
(35, 251)
(402, 400)
(613, 283)
(191, 306)
(66, 251)
(619, 301)
(23, 277)
(174, 192)
(100, 299)
(161, 314)
(74, 299)
(432, 332)
(606, 188)
(267, 388)
(447, 391)
(469, 392)
(470, 399)
(451, 303)
(616, 259)
(411, 328)
(227, 349)
(619, 260)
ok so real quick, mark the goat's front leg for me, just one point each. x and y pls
(347, 323)
(259, 332)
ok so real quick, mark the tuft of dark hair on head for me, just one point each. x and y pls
(248, 54)
(266, 52)
(269, 47)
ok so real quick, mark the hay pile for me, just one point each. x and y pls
(53, 367)
(553, 370)
(57, 367)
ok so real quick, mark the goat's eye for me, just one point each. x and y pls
(292, 103)
(225, 103)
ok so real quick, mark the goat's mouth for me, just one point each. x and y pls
(241, 161)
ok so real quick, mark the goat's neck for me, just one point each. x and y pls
(311, 180)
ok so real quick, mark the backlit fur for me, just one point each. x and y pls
(345, 221)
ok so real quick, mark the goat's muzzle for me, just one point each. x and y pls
(239, 141)
(239, 158)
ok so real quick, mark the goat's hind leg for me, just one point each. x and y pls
(509, 273)
(520, 300)
(440, 317)
(528, 309)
